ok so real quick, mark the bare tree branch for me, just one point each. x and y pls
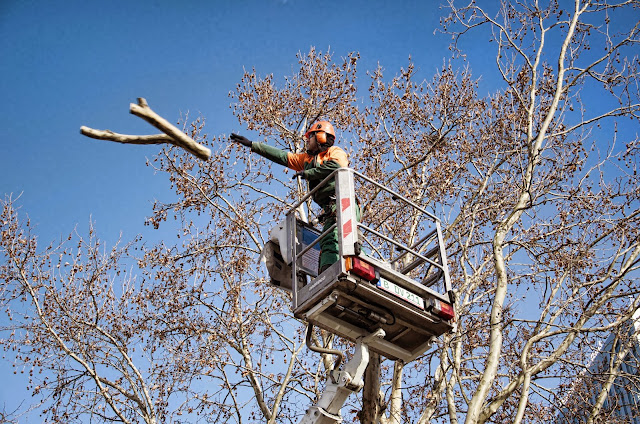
(171, 134)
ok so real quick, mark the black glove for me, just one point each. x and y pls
(240, 139)
(299, 174)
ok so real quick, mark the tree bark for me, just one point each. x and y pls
(371, 400)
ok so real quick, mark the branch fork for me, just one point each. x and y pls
(171, 134)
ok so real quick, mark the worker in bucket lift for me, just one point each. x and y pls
(319, 160)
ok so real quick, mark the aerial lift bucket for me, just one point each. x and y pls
(362, 293)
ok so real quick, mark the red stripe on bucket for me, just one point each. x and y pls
(346, 229)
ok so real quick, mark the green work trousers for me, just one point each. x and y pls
(329, 249)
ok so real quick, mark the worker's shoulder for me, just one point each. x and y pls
(336, 150)
(337, 154)
(332, 148)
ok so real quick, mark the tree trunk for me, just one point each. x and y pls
(371, 400)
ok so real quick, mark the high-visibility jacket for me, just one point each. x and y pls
(316, 167)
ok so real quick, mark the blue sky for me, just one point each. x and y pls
(73, 63)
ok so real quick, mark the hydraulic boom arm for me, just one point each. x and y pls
(341, 384)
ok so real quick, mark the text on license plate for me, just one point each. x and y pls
(402, 293)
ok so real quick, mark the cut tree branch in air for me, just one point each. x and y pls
(171, 134)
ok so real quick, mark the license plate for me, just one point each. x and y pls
(400, 292)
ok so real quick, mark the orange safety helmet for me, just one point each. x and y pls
(321, 126)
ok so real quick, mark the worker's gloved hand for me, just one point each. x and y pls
(299, 174)
(240, 139)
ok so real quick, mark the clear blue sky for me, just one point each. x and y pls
(64, 64)
(73, 63)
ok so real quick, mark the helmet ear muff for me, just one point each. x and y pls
(321, 137)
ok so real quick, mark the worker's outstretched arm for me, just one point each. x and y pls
(272, 153)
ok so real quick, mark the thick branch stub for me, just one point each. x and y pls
(171, 134)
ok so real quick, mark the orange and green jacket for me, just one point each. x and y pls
(316, 167)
